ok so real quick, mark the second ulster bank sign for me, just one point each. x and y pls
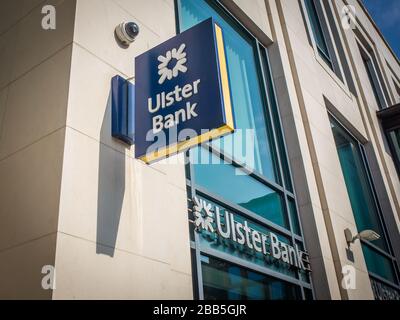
(182, 93)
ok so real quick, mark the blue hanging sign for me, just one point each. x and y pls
(182, 93)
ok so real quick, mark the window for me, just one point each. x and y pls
(323, 29)
(348, 77)
(223, 180)
(251, 112)
(257, 188)
(394, 143)
(226, 281)
(317, 31)
(378, 257)
(373, 76)
(324, 35)
(247, 99)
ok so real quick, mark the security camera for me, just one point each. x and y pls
(127, 32)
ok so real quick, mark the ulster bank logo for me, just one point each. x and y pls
(172, 63)
(203, 214)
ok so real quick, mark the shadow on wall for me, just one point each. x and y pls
(111, 189)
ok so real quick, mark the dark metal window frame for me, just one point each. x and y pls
(193, 189)
(390, 120)
(330, 58)
(374, 73)
(385, 235)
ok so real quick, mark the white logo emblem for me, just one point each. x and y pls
(164, 70)
(204, 215)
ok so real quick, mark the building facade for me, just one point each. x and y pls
(81, 218)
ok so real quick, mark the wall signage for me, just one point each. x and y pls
(182, 93)
(211, 219)
(123, 94)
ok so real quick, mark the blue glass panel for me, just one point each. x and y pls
(318, 32)
(278, 129)
(373, 79)
(235, 186)
(394, 142)
(378, 264)
(225, 281)
(357, 183)
(294, 217)
(248, 107)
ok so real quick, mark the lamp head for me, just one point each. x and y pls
(368, 235)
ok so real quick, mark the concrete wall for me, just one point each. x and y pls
(34, 81)
(123, 228)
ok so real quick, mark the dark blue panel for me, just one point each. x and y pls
(122, 105)
(201, 55)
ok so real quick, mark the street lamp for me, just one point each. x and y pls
(369, 235)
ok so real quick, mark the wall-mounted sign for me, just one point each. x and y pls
(182, 93)
(240, 234)
(122, 115)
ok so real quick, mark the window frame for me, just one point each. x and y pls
(367, 51)
(390, 118)
(321, 29)
(371, 184)
(393, 151)
(371, 69)
(263, 67)
(333, 66)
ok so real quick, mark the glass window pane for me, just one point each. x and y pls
(225, 281)
(357, 183)
(317, 31)
(235, 186)
(248, 104)
(394, 141)
(378, 264)
(277, 123)
(373, 79)
(294, 217)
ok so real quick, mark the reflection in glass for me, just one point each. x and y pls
(248, 106)
(362, 200)
(358, 187)
(378, 264)
(225, 281)
(318, 32)
(394, 142)
(294, 217)
(233, 185)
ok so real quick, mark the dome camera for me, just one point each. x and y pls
(127, 32)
